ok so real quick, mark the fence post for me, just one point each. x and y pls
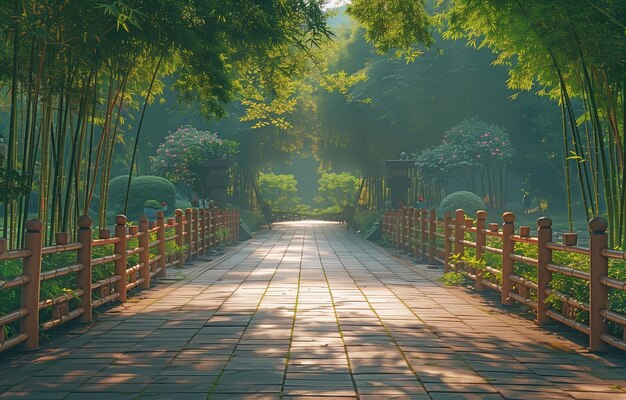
(409, 230)
(459, 221)
(119, 248)
(212, 230)
(161, 264)
(508, 247)
(405, 229)
(432, 238)
(423, 238)
(144, 255)
(188, 234)
(194, 231)
(207, 232)
(598, 292)
(179, 237)
(31, 267)
(219, 217)
(84, 257)
(201, 232)
(414, 232)
(447, 232)
(481, 241)
(399, 229)
(544, 276)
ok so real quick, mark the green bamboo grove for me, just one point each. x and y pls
(570, 50)
(76, 76)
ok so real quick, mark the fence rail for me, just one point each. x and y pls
(137, 254)
(489, 255)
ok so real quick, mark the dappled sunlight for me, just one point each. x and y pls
(304, 224)
(185, 193)
(269, 323)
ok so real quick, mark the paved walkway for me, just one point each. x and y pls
(310, 310)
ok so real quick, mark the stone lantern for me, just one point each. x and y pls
(399, 180)
(217, 180)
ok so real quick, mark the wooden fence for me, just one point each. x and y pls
(134, 255)
(489, 255)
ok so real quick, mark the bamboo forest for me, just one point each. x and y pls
(168, 167)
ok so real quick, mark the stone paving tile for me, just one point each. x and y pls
(310, 311)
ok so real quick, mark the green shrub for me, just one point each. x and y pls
(453, 278)
(142, 189)
(467, 201)
(153, 204)
(337, 189)
(364, 220)
(252, 220)
(280, 192)
(65, 284)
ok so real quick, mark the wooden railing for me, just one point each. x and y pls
(489, 255)
(131, 258)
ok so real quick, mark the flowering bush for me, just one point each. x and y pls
(181, 157)
(472, 153)
(474, 141)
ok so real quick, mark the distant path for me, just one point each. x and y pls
(308, 309)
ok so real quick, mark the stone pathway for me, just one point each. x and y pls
(309, 310)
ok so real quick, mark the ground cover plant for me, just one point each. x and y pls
(577, 289)
(64, 285)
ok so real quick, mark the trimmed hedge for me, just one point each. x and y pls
(468, 201)
(142, 189)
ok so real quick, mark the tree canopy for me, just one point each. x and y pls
(570, 50)
(79, 74)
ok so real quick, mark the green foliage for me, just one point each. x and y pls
(153, 204)
(363, 221)
(577, 289)
(280, 191)
(571, 51)
(252, 220)
(142, 189)
(453, 278)
(182, 157)
(82, 72)
(472, 153)
(337, 189)
(393, 24)
(12, 184)
(467, 201)
(64, 285)
(342, 82)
